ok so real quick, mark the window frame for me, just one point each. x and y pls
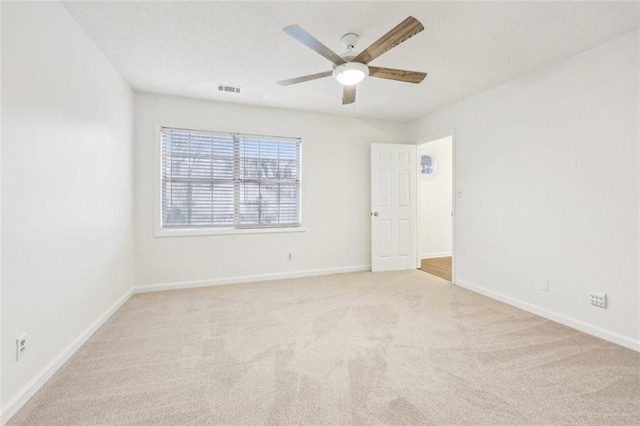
(159, 231)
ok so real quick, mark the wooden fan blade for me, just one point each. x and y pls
(304, 78)
(402, 32)
(399, 75)
(349, 94)
(314, 44)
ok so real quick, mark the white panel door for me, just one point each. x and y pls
(393, 207)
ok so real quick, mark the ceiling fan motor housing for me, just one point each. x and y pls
(348, 56)
(349, 41)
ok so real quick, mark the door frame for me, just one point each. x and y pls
(432, 138)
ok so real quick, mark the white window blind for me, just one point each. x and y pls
(224, 180)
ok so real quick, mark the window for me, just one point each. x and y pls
(225, 180)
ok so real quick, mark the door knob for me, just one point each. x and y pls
(375, 213)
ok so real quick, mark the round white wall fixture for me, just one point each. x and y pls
(428, 165)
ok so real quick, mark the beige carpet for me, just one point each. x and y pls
(388, 348)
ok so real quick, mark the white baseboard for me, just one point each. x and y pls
(248, 278)
(18, 400)
(554, 316)
(435, 255)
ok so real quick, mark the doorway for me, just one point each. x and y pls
(435, 207)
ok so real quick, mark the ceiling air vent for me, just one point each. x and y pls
(230, 89)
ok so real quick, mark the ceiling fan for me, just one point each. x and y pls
(351, 67)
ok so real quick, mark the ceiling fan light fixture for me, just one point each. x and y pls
(351, 73)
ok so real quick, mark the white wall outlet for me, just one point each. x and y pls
(21, 346)
(599, 299)
(543, 284)
(290, 256)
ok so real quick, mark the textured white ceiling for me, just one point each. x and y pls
(187, 49)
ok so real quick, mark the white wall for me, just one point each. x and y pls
(436, 201)
(335, 194)
(67, 185)
(548, 164)
(1, 271)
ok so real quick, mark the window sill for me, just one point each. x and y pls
(204, 231)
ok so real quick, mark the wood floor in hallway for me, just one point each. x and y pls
(439, 266)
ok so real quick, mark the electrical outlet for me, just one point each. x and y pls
(21, 346)
(599, 299)
(290, 256)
